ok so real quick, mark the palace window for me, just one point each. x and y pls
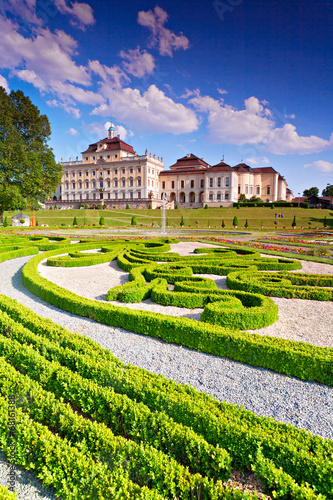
(139, 181)
(93, 172)
(101, 157)
(148, 170)
(258, 189)
(123, 171)
(123, 183)
(182, 184)
(131, 195)
(172, 184)
(131, 170)
(139, 195)
(210, 196)
(163, 185)
(124, 196)
(116, 183)
(108, 171)
(139, 170)
(239, 189)
(108, 157)
(116, 196)
(73, 174)
(131, 182)
(87, 173)
(152, 183)
(246, 189)
(268, 190)
(66, 174)
(101, 184)
(80, 185)
(93, 184)
(93, 158)
(73, 185)
(108, 183)
(116, 156)
(219, 182)
(87, 184)
(115, 171)
(218, 197)
(211, 181)
(87, 158)
(80, 173)
(202, 183)
(148, 182)
(227, 181)
(192, 183)
(251, 189)
(67, 185)
(226, 196)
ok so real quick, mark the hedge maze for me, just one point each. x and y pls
(96, 428)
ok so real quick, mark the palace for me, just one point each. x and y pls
(112, 174)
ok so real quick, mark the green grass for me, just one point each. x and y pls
(212, 217)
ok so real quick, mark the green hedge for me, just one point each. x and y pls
(73, 474)
(142, 463)
(5, 494)
(122, 415)
(304, 456)
(288, 285)
(21, 252)
(292, 358)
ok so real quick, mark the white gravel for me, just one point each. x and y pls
(304, 404)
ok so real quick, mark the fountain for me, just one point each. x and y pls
(163, 229)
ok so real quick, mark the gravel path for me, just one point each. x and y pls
(304, 404)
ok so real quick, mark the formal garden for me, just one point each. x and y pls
(92, 426)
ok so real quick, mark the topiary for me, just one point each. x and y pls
(150, 207)
(223, 224)
(22, 221)
(5, 222)
(101, 221)
(177, 207)
(75, 221)
(206, 206)
(246, 224)
(182, 221)
(294, 221)
(86, 207)
(235, 221)
(133, 221)
(127, 207)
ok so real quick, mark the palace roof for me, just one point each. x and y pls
(220, 167)
(190, 160)
(114, 144)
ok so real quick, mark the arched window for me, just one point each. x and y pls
(73, 185)
(87, 185)
(139, 181)
(116, 183)
(93, 184)
(227, 181)
(131, 181)
(211, 197)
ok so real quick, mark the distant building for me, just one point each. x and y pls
(16, 220)
(110, 173)
(191, 182)
(315, 201)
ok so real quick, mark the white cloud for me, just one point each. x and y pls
(286, 140)
(71, 110)
(321, 165)
(30, 76)
(138, 63)
(81, 14)
(292, 116)
(222, 91)
(254, 125)
(25, 9)
(166, 40)
(113, 74)
(73, 131)
(257, 160)
(151, 111)
(4, 83)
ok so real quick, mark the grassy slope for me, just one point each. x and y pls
(211, 217)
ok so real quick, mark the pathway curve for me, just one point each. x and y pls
(304, 404)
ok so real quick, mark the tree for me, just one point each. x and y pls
(101, 221)
(294, 221)
(328, 191)
(28, 170)
(246, 224)
(5, 222)
(75, 221)
(133, 221)
(182, 221)
(312, 191)
(127, 207)
(235, 221)
(242, 198)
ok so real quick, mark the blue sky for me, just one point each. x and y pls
(248, 80)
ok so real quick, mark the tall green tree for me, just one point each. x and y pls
(328, 191)
(311, 191)
(28, 170)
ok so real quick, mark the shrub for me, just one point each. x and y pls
(99, 207)
(150, 207)
(235, 221)
(127, 207)
(206, 206)
(86, 206)
(325, 221)
(182, 221)
(75, 221)
(51, 208)
(101, 221)
(223, 223)
(294, 221)
(177, 207)
(246, 224)
(22, 221)
(5, 222)
(133, 221)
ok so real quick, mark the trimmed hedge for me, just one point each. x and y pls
(300, 453)
(124, 417)
(21, 252)
(5, 494)
(292, 358)
(288, 285)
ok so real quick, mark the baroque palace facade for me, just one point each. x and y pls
(112, 174)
